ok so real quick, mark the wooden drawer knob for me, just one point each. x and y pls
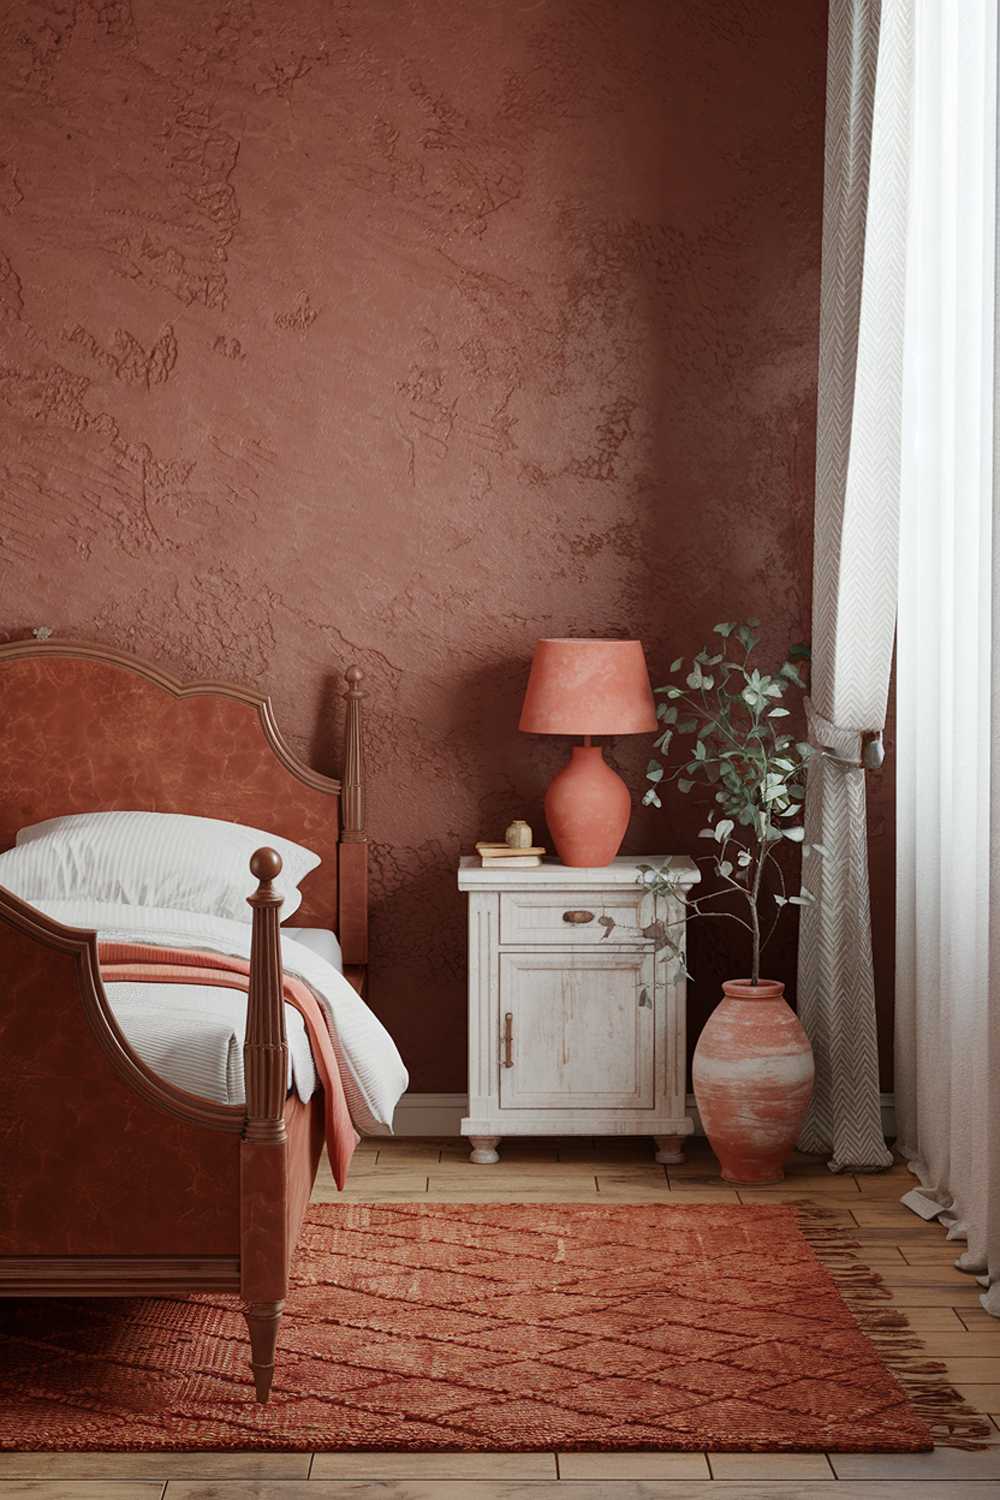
(578, 918)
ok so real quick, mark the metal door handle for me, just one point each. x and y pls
(508, 1040)
(578, 918)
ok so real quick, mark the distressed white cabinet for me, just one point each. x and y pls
(576, 1021)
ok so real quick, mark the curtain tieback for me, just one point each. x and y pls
(852, 749)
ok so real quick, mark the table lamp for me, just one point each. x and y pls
(588, 687)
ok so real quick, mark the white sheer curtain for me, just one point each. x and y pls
(948, 651)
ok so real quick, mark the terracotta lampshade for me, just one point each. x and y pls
(588, 687)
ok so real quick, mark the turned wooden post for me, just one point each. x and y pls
(265, 1050)
(353, 915)
(264, 1149)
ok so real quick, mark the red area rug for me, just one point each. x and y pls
(499, 1327)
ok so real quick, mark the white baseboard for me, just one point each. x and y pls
(441, 1114)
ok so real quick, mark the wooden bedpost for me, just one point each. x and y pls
(263, 1152)
(353, 914)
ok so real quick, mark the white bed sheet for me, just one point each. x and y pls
(320, 940)
(159, 1023)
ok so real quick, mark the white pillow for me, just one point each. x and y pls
(150, 859)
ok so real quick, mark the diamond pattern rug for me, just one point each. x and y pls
(500, 1327)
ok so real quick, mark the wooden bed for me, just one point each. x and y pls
(113, 1182)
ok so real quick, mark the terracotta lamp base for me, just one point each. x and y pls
(587, 808)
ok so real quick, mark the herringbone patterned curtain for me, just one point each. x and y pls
(854, 572)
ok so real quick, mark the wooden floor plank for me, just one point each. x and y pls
(382, 1466)
(962, 1345)
(933, 1253)
(974, 1370)
(568, 1489)
(80, 1489)
(770, 1466)
(981, 1395)
(978, 1320)
(939, 1319)
(953, 1464)
(154, 1466)
(645, 1466)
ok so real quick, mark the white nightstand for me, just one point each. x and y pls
(576, 1027)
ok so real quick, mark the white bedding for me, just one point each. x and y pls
(318, 940)
(192, 1035)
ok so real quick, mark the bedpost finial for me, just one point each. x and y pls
(265, 865)
(354, 676)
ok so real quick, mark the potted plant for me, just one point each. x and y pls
(753, 1065)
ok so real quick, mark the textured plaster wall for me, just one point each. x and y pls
(404, 333)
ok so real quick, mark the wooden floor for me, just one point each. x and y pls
(914, 1259)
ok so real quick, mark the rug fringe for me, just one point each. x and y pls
(953, 1422)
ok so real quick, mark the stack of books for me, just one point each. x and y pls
(495, 855)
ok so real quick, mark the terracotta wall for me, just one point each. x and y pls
(403, 334)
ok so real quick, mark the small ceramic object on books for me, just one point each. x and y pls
(753, 1079)
(519, 835)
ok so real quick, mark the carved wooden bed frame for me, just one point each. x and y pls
(113, 1182)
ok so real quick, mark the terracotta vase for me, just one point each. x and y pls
(753, 1078)
(587, 808)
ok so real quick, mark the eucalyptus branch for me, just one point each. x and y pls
(754, 769)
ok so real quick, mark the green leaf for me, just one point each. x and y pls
(800, 651)
(651, 798)
(795, 834)
(676, 665)
(683, 785)
(723, 829)
(706, 833)
(654, 771)
(725, 629)
(725, 868)
(779, 713)
(744, 858)
(686, 726)
(780, 901)
(791, 671)
(699, 749)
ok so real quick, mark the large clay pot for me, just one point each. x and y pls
(753, 1078)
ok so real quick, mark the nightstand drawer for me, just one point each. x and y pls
(583, 919)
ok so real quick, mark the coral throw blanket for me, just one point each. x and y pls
(140, 963)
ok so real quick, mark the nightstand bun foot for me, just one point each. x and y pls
(484, 1149)
(669, 1151)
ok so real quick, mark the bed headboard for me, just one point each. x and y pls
(87, 729)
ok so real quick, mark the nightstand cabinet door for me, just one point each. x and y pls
(580, 1032)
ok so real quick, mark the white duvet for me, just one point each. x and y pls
(192, 1035)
